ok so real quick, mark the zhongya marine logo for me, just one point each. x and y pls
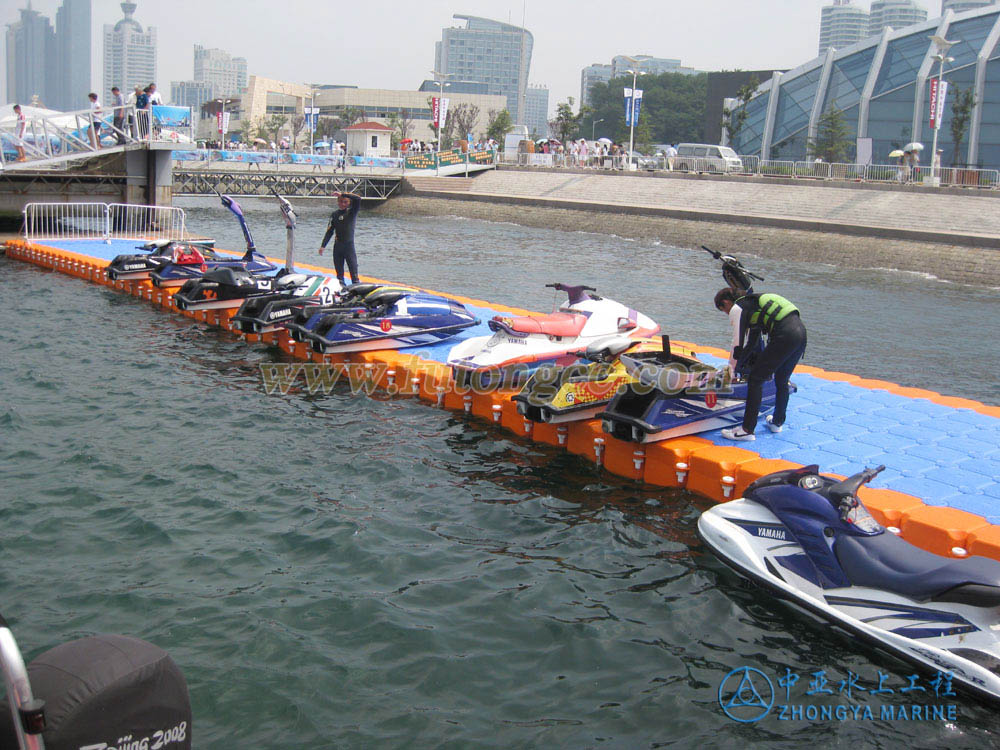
(746, 695)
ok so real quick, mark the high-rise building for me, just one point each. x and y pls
(841, 25)
(227, 75)
(590, 75)
(495, 53)
(129, 53)
(30, 47)
(536, 115)
(959, 5)
(72, 56)
(190, 94)
(894, 13)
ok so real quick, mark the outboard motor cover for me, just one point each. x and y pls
(110, 692)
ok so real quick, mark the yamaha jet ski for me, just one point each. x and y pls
(673, 395)
(384, 318)
(268, 311)
(174, 275)
(138, 266)
(808, 539)
(520, 345)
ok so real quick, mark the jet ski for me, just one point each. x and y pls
(228, 288)
(173, 275)
(808, 539)
(96, 692)
(583, 389)
(520, 345)
(267, 312)
(138, 266)
(673, 395)
(382, 317)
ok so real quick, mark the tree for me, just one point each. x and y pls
(833, 138)
(269, 127)
(566, 125)
(401, 123)
(734, 119)
(296, 124)
(961, 112)
(461, 120)
(499, 125)
(673, 105)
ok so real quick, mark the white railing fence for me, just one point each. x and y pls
(101, 221)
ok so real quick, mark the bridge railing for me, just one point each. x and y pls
(101, 221)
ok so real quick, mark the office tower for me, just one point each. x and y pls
(895, 13)
(190, 94)
(129, 53)
(645, 64)
(536, 115)
(227, 75)
(590, 75)
(841, 25)
(494, 53)
(30, 48)
(72, 55)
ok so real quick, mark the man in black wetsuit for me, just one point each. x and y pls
(342, 224)
(752, 316)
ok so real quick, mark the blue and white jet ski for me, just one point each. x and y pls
(669, 398)
(808, 539)
(385, 317)
(172, 275)
(268, 311)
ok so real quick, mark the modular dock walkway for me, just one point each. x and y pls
(941, 488)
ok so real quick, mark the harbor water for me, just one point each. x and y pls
(356, 572)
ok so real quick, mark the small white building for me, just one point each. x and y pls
(368, 139)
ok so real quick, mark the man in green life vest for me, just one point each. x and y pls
(752, 316)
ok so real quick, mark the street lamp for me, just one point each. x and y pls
(593, 124)
(222, 119)
(631, 119)
(943, 46)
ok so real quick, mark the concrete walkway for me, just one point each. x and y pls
(924, 214)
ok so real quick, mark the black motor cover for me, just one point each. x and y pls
(108, 691)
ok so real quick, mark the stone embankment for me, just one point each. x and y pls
(953, 235)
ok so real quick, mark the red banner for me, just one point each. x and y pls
(435, 110)
(933, 102)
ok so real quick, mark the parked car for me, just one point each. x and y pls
(704, 157)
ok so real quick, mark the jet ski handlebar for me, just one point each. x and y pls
(575, 293)
(847, 488)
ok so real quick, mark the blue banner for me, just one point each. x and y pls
(171, 117)
(628, 106)
(636, 106)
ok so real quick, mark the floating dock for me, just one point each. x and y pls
(940, 490)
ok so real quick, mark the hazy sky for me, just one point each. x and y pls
(391, 44)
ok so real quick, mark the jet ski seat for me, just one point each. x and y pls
(554, 324)
(889, 563)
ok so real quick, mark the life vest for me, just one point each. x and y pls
(770, 308)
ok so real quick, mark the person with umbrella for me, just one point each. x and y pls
(342, 225)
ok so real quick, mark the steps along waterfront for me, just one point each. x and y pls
(942, 453)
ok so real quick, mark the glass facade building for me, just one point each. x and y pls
(497, 54)
(882, 87)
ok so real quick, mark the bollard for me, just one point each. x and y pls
(467, 403)
(959, 551)
(390, 377)
(682, 473)
(440, 396)
(562, 432)
(497, 412)
(728, 485)
(639, 458)
(598, 450)
(894, 530)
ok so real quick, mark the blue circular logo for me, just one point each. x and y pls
(746, 695)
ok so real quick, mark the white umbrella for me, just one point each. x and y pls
(913, 146)
(604, 140)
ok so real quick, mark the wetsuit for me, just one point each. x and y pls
(342, 224)
(775, 316)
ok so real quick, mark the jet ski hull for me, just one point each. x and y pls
(935, 636)
(365, 337)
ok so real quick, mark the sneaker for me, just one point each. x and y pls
(771, 425)
(738, 433)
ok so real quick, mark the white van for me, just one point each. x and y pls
(704, 157)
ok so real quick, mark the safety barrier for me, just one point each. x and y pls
(101, 221)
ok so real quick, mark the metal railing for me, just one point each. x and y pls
(755, 166)
(67, 134)
(101, 221)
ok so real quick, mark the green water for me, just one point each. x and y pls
(339, 571)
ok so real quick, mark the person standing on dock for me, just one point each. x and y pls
(752, 316)
(22, 124)
(118, 115)
(342, 225)
(95, 119)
